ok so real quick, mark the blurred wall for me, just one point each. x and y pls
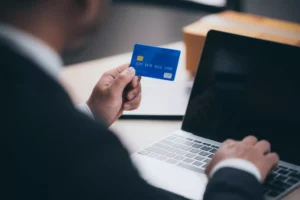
(132, 21)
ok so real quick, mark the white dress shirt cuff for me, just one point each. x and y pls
(237, 163)
(85, 109)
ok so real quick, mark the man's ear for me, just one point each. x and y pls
(90, 10)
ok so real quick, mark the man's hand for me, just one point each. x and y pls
(250, 149)
(117, 90)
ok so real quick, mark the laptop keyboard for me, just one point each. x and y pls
(184, 152)
(280, 180)
(194, 155)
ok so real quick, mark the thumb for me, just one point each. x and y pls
(122, 80)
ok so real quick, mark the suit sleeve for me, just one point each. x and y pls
(62, 154)
(233, 184)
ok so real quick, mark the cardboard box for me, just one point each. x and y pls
(239, 23)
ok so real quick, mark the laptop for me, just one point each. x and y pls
(243, 86)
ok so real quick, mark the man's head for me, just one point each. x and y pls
(63, 24)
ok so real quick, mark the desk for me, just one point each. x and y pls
(80, 79)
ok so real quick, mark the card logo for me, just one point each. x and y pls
(168, 75)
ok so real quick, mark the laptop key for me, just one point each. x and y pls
(203, 153)
(206, 144)
(161, 152)
(188, 143)
(214, 146)
(188, 160)
(173, 150)
(190, 155)
(197, 163)
(144, 152)
(189, 139)
(197, 146)
(177, 145)
(281, 178)
(273, 194)
(199, 158)
(271, 177)
(295, 171)
(152, 155)
(186, 148)
(182, 153)
(172, 161)
(180, 140)
(213, 150)
(294, 175)
(283, 172)
(274, 187)
(179, 158)
(151, 149)
(198, 141)
(211, 156)
(205, 148)
(190, 167)
(292, 181)
(207, 160)
(276, 169)
(282, 167)
(196, 151)
(161, 146)
(281, 184)
(168, 142)
(157, 150)
(170, 155)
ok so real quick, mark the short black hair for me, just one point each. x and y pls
(18, 3)
(13, 6)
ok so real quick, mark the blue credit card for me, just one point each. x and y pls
(155, 62)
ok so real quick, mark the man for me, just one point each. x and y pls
(52, 151)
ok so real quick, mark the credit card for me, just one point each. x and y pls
(155, 62)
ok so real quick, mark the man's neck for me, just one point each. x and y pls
(45, 27)
(33, 48)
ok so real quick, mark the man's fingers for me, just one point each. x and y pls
(122, 80)
(121, 68)
(250, 140)
(263, 146)
(131, 94)
(273, 159)
(135, 82)
(118, 70)
(133, 104)
(208, 169)
(228, 142)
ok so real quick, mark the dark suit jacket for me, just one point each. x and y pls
(52, 151)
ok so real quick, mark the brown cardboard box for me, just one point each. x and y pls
(239, 23)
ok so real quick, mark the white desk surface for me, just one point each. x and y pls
(80, 79)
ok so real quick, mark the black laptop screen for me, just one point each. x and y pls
(245, 86)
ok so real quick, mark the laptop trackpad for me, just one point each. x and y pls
(170, 177)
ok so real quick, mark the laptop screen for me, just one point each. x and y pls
(246, 87)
